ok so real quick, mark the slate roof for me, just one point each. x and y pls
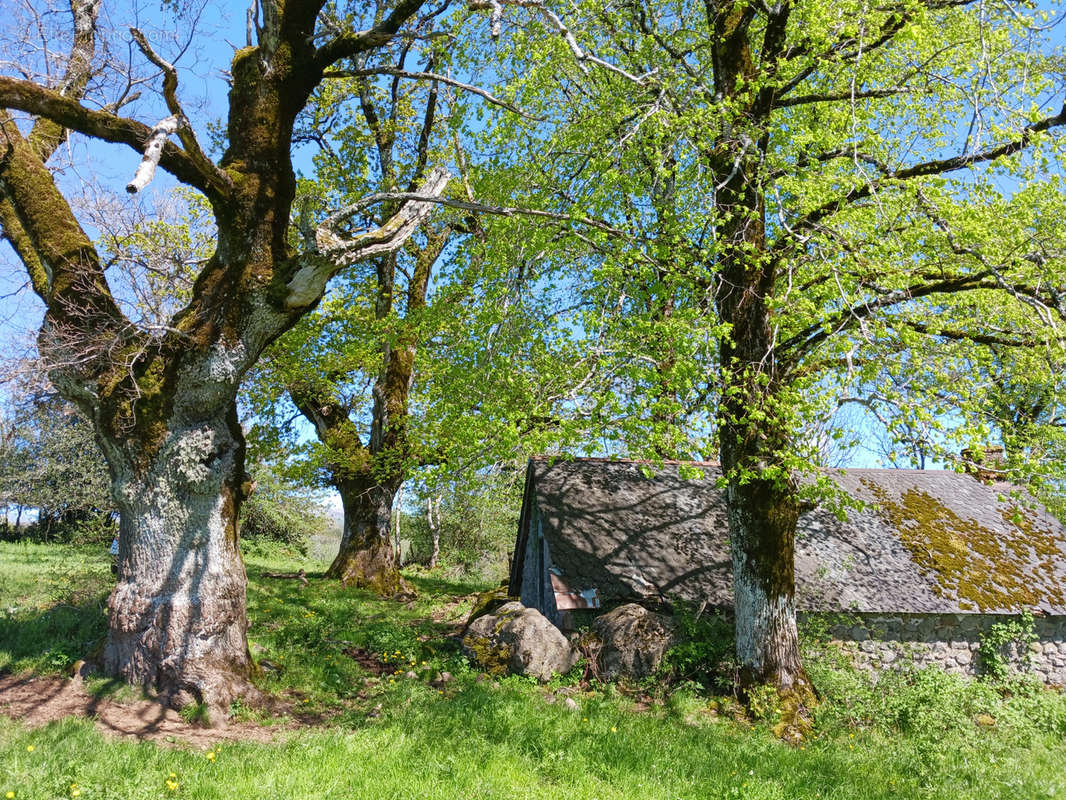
(925, 541)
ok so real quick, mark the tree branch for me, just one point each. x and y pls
(582, 56)
(46, 135)
(153, 149)
(170, 95)
(934, 167)
(334, 253)
(806, 340)
(976, 337)
(66, 272)
(477, 208)
(348, 45)
(832, 97)
(33, 99)
(431, 76)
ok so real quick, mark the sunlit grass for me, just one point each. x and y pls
(398, 737)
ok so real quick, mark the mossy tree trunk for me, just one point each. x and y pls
(368, 474)
(761, 497)
(162, 403)
(366, 558)
(177, 617)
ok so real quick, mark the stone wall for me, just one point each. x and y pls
(882, 641)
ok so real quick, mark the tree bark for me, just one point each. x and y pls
(753, 428)
(366, 559)
(177, 619)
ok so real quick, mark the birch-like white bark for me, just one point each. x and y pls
(153, 150)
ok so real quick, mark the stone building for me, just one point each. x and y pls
(922, 566)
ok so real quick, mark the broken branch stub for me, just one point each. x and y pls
(335, 252)
(153, 150)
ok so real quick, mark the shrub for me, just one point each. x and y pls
(1000, 641)
(705, 651)
(283, 511)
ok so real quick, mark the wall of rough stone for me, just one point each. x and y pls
(882, 641)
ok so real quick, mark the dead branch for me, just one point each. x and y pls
(333, 252)
(153, 149)
(300, 576)
(582, 56)
(170, 95)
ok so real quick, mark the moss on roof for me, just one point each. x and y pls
(927, 541)
(979, 568)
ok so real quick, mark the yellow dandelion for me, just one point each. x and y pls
(172, 775)
(210, 755)
(30, 748)
(74, 790)
(614, 729)
(9, 795)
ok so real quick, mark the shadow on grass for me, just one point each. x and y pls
(439, 585)
(52, 640)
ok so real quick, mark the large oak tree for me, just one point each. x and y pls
(162, 400)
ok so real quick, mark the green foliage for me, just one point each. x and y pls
(282, 510)
(49, 462)
(478, 519)
(996, 644)
(937, 717)
(880, 311)
(196, 714)
(705, 651)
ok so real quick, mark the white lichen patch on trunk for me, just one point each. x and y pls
(767, 640)
(309, 282)
(211, 380)
(766, 629)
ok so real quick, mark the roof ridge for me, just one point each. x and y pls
(619, 460)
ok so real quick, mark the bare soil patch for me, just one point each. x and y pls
(36, 701)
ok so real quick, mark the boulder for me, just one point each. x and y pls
(633, 641)
(487, 602)
(518, 640)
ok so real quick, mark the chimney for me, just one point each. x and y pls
(987, 465)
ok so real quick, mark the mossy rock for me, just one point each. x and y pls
(487, 602)
(493, 658)
(518, 640)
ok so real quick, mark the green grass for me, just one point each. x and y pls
(52, 605)
(911, 737)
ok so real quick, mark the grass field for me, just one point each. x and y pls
(349, 734)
